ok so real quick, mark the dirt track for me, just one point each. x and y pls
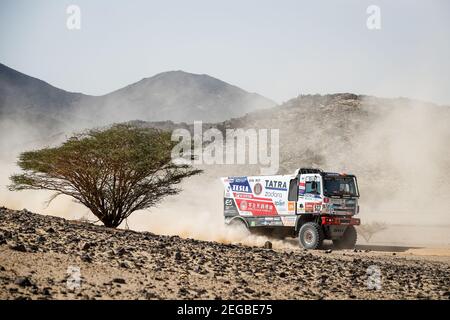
(37, 254)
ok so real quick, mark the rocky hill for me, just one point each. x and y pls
(177, 96)
(44, 257)
(390, 144)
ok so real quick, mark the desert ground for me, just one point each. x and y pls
(45, 257)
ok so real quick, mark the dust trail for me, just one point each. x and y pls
(197, 213)
(403, 160)
(399, 150)
(16, 136)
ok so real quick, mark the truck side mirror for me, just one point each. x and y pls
(293, 190)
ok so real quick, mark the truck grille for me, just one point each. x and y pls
(347, 208)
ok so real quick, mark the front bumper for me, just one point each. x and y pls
(340, 221)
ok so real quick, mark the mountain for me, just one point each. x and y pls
(20, 93)
(32, 110)
(176, 95)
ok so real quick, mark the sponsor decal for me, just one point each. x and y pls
(312, 197)
(288, 221)
(276, 185)
(229, 207)
(257, 208)
(301, 188)
(250, 196)
(257, 188)
(273, 194)
(243, 195)
(280, 203)
(270, 222)
(240, 185)
(291, 206)
(313, 207)
(309, 207)
(228, 192)
(240, 188)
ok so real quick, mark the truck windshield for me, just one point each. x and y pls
(340, 186)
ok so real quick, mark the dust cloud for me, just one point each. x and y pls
(198, 213)
(399, 152)
(402, 160)
(18, 136)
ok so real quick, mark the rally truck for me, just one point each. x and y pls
(311, 204)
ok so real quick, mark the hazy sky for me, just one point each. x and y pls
(276, 48)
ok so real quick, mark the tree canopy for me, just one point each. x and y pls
(113, 172)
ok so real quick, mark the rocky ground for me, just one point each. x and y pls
(44, 257)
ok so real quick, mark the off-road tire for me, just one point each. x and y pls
(238, 224)
(348, 240)
(311, 236)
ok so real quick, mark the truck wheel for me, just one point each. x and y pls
(311, 236)
(239, 224)
(348, 240)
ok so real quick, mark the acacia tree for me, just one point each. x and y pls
(113, 172)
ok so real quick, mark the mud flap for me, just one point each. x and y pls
(335, 231)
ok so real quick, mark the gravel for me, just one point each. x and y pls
(74, 260)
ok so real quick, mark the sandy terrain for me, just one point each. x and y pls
(44, 257)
